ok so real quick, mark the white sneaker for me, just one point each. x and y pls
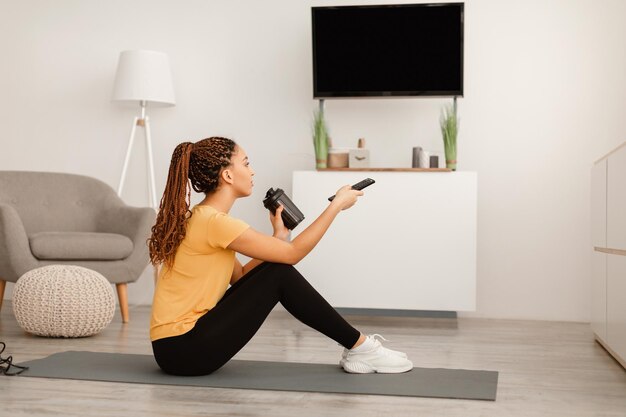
(344, 355)
(379, 359)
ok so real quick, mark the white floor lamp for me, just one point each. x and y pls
(143, 77)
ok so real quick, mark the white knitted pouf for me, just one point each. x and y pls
(63, 300)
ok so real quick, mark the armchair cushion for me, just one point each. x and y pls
(80, 245)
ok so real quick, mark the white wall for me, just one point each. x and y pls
(545, 94)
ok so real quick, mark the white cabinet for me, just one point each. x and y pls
(409, 242)
(616, 304)
(598, 294)
(616, 200)
(598, 204)
(608, 241)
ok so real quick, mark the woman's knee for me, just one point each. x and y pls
(273, 266)
(284, 270)
(282, 267)
(277, 273)
(272, 274)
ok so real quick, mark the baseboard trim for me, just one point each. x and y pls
(611, 352)
(387, 312)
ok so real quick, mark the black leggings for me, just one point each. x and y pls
(220, 333)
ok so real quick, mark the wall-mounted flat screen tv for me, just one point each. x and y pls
(388, 50)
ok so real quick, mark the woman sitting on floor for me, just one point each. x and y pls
(198, 323)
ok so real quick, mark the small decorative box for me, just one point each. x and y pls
(359, 158)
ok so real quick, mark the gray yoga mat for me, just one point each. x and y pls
(261, 375)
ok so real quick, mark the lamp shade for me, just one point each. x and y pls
(144, 76)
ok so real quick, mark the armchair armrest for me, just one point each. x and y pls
(132, 222)
(136, 224)
(15, 255)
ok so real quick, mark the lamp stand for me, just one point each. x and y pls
(143, 121)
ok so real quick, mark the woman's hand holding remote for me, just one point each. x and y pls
(346, 197)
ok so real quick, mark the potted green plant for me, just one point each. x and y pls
(449, 130)
(320, 139)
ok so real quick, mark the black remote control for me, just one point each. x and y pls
(358, 186)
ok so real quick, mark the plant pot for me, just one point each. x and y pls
(449, 130)
(320, 140)
(450, 158)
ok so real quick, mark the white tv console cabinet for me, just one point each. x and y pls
(409, 243)
(608, 240)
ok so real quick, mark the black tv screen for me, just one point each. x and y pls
(388, 50)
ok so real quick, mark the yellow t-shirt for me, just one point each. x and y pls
(200, 275)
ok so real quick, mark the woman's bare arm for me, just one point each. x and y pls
(272, 249)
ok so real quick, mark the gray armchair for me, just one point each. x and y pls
(52, 218)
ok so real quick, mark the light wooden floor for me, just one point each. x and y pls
(546, 369)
